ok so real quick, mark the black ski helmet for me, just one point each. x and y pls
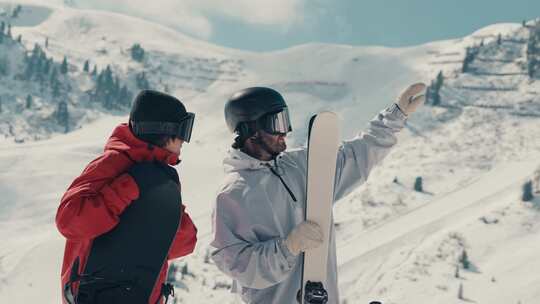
(250, 104)
(156, 113)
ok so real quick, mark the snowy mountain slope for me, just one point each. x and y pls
(449, 146)
(190, 68)
(380, 252)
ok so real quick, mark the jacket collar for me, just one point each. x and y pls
(237, 160)
(123, 140)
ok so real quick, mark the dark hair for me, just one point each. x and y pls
(238, 142)
(244, 131)
(158, 140)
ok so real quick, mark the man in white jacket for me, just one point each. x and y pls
(259, 231)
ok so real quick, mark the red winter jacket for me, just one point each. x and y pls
(92, 204)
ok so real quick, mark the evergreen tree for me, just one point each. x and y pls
(124, 97)
(54, 75)
(418, 184)
(433, 95)
(86, 67)
(16, 12)
(184, 270)
(9, 31)
(137, 52)
(47, 66)
(29, 101)
(464, 259)
(64, 66)
(470, 54)
(142, 81)
(466, 61)
(94, 71)
(43, 63)
(4, 66)
(62, 115)
(33, 63)
(531, 64)
(54, 82)
(56, 89)
(527, 195)
(439, 81)
(0, 104)
(19, 38)
(171, 274)
(47, 42)
(499, 39)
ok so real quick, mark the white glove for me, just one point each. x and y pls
(412, 97)
(306, 235)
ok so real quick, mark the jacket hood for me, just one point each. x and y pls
(124, 141)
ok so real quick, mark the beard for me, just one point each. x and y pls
(273, 144)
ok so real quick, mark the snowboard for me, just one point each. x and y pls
(323, 145)
(124, 264)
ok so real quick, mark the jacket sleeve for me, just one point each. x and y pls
(185, 239)
(93, 202)
(357, 157)
(237, 252)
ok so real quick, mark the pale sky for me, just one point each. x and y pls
(264, 25)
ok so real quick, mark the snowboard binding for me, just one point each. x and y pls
(315, 293)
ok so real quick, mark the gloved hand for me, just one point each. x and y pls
(412, 97)
(306, 235)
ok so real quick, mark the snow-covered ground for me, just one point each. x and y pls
(394, 244)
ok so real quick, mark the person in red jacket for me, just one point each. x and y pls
(93, 204)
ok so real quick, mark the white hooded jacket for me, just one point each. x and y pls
(254, 212)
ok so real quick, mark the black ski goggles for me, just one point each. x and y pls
(276, 123)
(181, 129)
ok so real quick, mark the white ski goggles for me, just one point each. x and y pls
(276, 123)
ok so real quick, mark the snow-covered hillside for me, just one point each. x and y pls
(473, 152)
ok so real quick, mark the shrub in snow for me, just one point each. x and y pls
(418, 184)
(62, 115)
(171, 274)
(527, 195)
(142, 81)
(137, 52)
(464, 260)
(64, 66)
(29, 101)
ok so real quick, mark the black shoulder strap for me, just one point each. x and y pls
(124, 264)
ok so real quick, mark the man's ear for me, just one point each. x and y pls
(255, 138)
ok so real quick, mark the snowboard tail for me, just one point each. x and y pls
(323, 145)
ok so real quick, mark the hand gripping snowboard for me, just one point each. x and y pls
(323, 144)
(124, 264)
